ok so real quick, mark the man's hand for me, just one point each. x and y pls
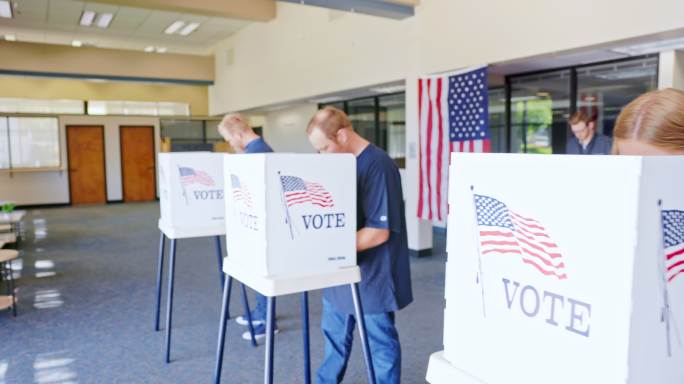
(367, 238)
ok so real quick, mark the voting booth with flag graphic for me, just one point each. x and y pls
(564, 269)
(285, 217)
(191, 194)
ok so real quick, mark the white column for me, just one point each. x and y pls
(671, 70)
(419, 231)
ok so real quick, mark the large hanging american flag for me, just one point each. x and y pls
(673, 237)
(503, 231)
(299, 191)
(453, 117)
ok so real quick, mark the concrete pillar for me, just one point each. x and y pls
(671, 70)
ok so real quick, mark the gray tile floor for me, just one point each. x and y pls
(86, 309)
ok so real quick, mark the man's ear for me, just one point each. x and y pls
(342, 136)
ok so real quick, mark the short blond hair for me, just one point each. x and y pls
(329, 120)
(235, 122)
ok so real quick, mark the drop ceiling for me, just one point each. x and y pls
(57, 22)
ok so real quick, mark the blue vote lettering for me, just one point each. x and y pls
(327, 220)
(578, 314)
(214, 194)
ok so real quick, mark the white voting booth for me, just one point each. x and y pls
(291, 214)
(291, 225)
(556, 271)
(191, 194)
(192, 205)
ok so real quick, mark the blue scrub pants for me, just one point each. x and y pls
(383, 339)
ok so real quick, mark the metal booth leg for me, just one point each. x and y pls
(219, 256)
(222, 330)
(270, 328)
(362, 332)
(305, 335)
(169, 304)
(160, 270)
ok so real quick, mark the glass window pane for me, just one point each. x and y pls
(393, 127)
(34, 142)
(187, 135)
(497, 119)
(4, 144)
(173, 109)
(602, 90)
(362, 115)
(18, 105)
(211, 127)
(339, 105)
(540, 107)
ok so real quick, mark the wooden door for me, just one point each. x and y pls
(137, 163)
(85, 151)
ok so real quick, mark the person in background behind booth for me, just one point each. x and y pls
(382, 254)
(585, 139)
(652, 124)
(239, 134)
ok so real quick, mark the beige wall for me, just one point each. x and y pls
(54, 88)
(304, 52)
(671, 70)
(35, 57)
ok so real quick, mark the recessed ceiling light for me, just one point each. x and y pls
(76, 43)
(87, 18)
(161, 49)
(188, 29)
(149, 49)
(104, 20)
(11, 37)
(174, 27)
(5, 9)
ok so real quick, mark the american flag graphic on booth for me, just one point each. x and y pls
(191, 176)
(240, 191)
(299, 191)
(673, 237)
(453, 117)
(503, 231)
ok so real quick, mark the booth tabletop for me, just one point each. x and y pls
(441, 371)
(278, 286)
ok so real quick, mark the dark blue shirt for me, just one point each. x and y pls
(257, 146)
(598, 145)
(385, 275)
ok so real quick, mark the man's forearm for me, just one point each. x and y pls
(367, 238)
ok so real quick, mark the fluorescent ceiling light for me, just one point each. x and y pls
(188, 29)
(161, 49)
(174, 27)
(389, 89)
(104, 20)
(5, 9)
(76, 43)
(87, 18)
(11, 37)
(652, 47)
(149, 49)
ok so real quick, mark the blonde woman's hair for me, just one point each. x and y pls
(656, 118)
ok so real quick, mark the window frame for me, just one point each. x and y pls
(12, 169)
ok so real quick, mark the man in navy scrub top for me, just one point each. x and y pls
(382, 254)
(236, 131)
